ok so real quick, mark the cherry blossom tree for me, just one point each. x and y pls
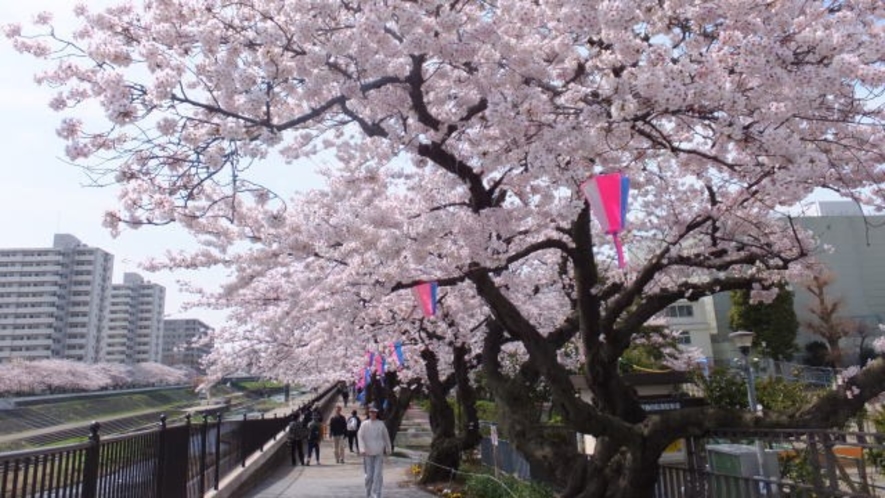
(47, 376)
(450, 438)
(315, 318)
(481, 119)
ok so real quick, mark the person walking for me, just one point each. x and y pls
(338, 428)
(313, 439)
(296, 433)
(353, 425)
(374, 443)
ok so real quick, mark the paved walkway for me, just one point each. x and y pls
(331, 480)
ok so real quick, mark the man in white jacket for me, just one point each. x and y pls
(374, 443)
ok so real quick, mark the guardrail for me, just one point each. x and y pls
(779, 463)
(175, 461)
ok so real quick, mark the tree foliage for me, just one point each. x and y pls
(724, 388)
(774, 323)
(21, 377)
(454, 137)
(728, 389)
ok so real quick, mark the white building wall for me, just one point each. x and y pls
(52, 300)
(178, 336)
(697, 319)
(135, 328)
(853, 248)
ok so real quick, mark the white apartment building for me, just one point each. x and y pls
(178, 337)
(696, 322)
(54, 301)
(135, 322)
(853, 249)
(852, 246)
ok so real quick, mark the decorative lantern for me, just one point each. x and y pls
(426, 293)
(607, 195)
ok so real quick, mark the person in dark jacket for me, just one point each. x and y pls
(338, 428)
(296, 434)
(315, 430)
(353, 425)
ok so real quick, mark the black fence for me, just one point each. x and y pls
(504, 457)
(176, 461)
(754, 464)
(782, 463)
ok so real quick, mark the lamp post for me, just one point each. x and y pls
(743, 339)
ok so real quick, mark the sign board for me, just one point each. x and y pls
(494, 435)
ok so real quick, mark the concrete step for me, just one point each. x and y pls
(414, 431)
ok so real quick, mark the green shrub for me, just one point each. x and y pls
(422, 403)
(727, 389)
(488, 486)
(783, 396)
(723, 389)
(877, 455)
(486, 410)
(796, 465)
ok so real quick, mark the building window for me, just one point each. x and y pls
(683, 338)
(679, 311)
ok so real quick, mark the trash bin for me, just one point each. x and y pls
(734, 465)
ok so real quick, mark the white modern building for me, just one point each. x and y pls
(179, 348)
(853, 248)
(135, 321)
(54, 301)
(696, 322)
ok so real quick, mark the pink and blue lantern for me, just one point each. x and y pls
(607, 195)
(426, 294)
(398, 352)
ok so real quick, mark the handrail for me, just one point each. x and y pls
(168, 461)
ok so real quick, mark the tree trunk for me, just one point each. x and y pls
(835, 354)
(397, 406)
(519, 415)
(616, 470)
(447, 446)
(392, 400)
(545, 448)
(445, 452)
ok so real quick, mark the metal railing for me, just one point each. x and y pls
(796, 372)
(789, 463)
(781, 463)
(175, 461)
(505, 458)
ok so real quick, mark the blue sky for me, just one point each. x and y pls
(41, 194)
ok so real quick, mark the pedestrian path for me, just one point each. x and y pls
(331, 480)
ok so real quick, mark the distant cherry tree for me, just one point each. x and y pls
(50, 376)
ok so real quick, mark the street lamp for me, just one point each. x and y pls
(743, 339)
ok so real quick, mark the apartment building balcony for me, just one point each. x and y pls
(20, 322)
(50, 298)
(28, 355)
